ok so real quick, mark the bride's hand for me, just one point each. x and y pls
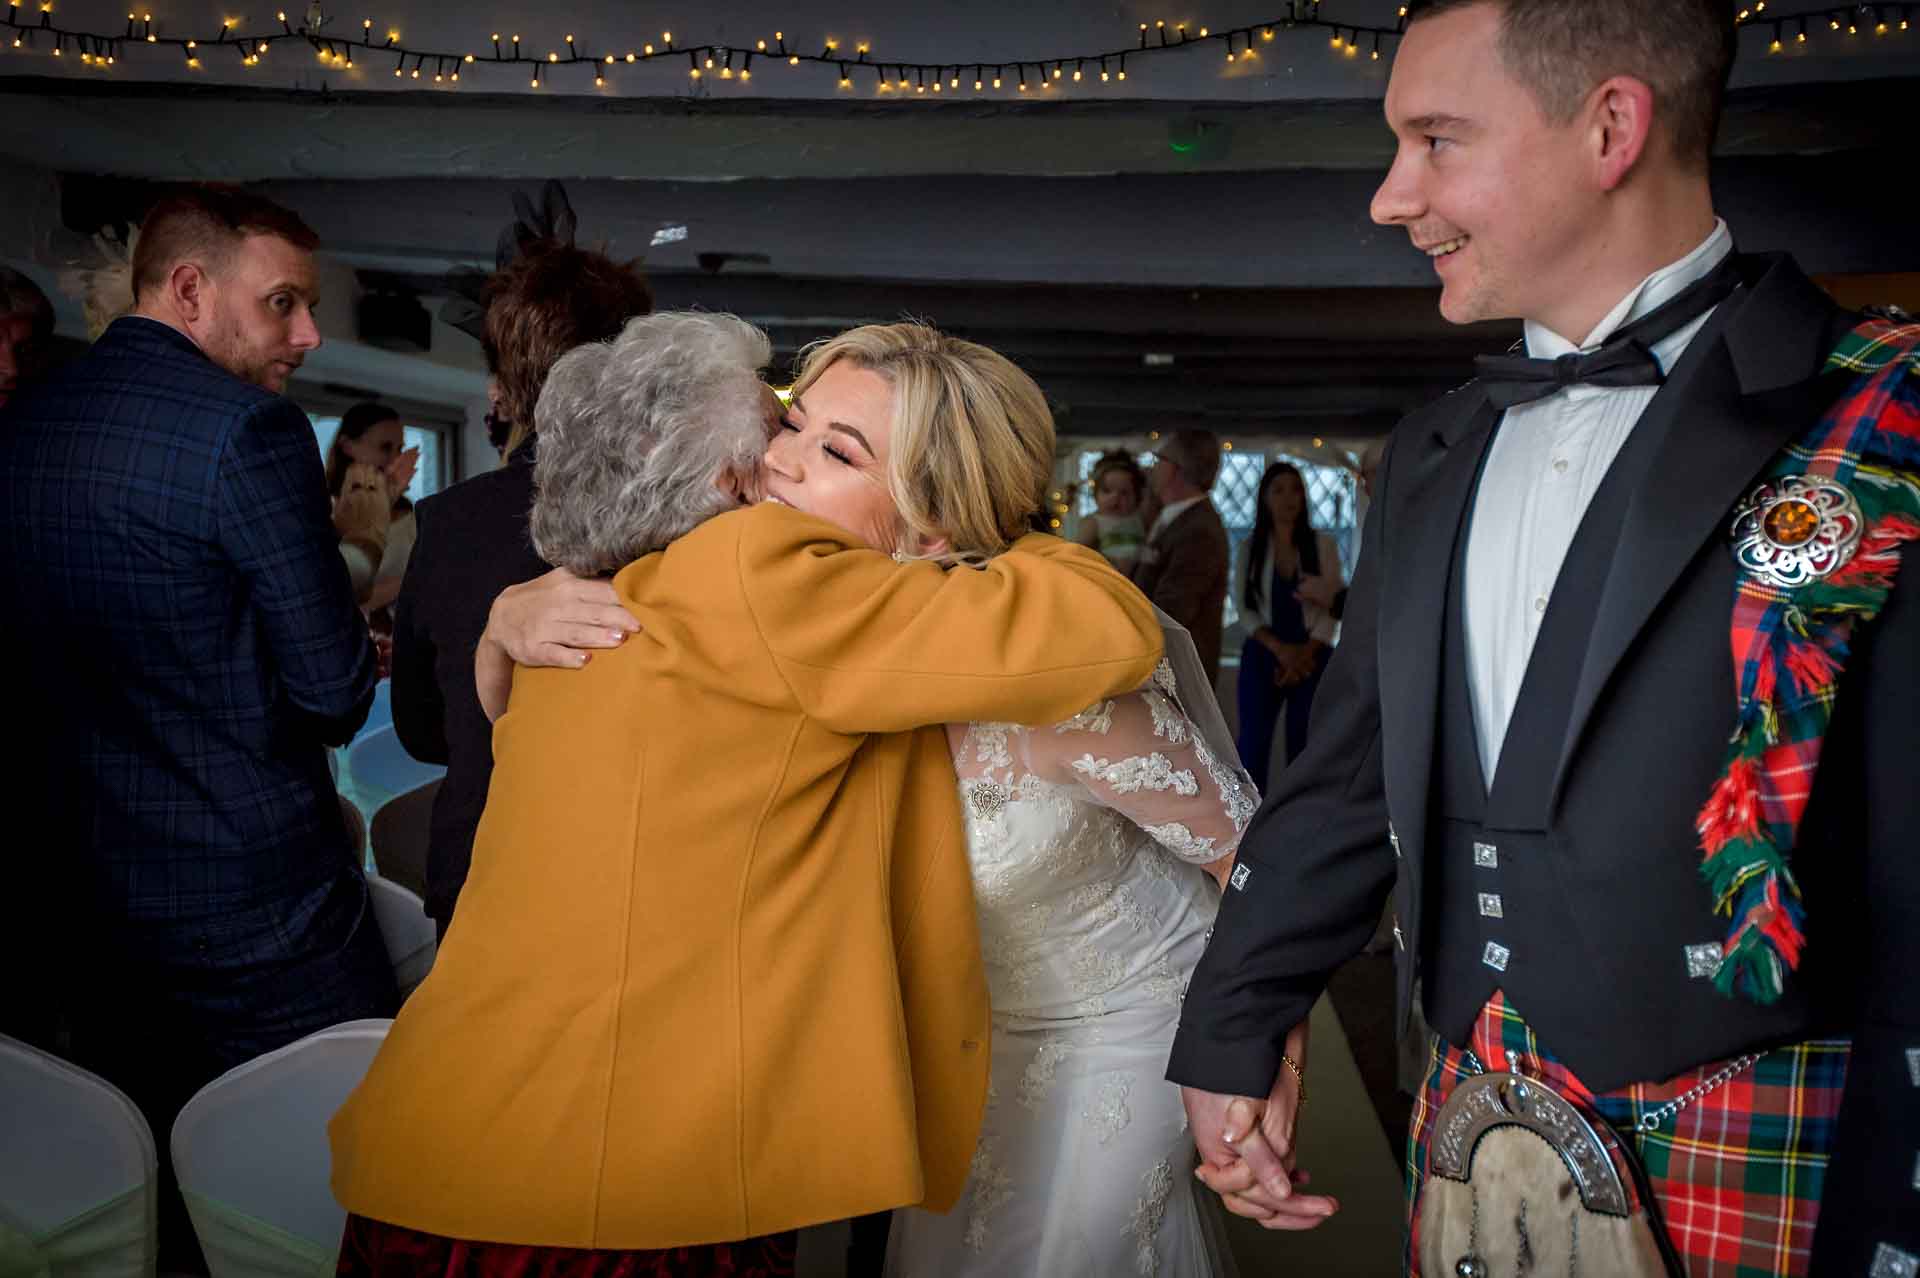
(1261, 1182)
(557, 620)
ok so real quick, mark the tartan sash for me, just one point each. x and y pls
(1790, 647)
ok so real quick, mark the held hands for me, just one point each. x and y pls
(1247, 1148)
(1297, 661)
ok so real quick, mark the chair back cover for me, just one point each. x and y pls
(400, 833)
(251, 1154)
(77, 1169)
(405, 927)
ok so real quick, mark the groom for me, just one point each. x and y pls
(1533, 697)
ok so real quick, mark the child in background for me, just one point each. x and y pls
(1115, 528)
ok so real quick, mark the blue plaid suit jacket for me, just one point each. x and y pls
(176, 605)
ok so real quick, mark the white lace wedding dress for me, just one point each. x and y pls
(1086, 840)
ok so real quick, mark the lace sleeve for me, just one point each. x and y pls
(1140, 756)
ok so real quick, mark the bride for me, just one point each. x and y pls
(1087, 840)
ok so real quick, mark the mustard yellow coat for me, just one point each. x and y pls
(715, 972)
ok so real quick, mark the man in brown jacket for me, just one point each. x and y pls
(1183, 568)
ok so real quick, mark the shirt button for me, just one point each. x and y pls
(1540, 604)
(1560, 466)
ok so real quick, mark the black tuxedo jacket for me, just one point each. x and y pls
(1599, 968)
(471, 542)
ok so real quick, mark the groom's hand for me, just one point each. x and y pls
(1247, 1149)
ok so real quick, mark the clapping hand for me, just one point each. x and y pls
(399, 472)
(363, 509)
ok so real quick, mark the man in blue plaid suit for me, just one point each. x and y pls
(181, 628)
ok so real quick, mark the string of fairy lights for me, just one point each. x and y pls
(734, 63)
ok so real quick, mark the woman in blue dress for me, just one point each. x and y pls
(1288, 639)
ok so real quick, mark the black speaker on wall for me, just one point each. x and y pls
(395, 322)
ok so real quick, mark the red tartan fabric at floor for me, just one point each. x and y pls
(1737, 1173)
(374, 1249)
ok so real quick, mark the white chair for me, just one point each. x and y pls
(381, 767)
(250, 1151)
(77, 1170)
(405, 927)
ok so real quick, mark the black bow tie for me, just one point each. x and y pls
(1625, 359)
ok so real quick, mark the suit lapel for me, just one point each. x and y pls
(1754, 388)
(1413, 603)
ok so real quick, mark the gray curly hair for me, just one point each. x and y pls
(637, 434)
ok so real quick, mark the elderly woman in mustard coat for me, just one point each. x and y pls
(715, 975)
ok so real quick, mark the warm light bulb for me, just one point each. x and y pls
(469, 58)
(1268, 33)
(693, 73)
(1104, 76)
(793, 61)
(599, 82)
(666, 37)
(1121, 76)
(1774, 47)
(1076, 76)
(553, 57)
(761, 45)
(845, 83)
(726, 73)
(649, 49)
(1056, 73)
(569, 39)
(194, 63)
(976, 86)
(996, 82)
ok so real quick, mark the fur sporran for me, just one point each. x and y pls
(1520, 1181)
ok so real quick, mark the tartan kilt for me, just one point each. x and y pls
(1737, 1174)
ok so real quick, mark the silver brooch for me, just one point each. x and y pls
(987, 798)
(1797, 529)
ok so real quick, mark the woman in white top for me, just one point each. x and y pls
(1288, 638)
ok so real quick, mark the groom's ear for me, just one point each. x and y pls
(933, 546)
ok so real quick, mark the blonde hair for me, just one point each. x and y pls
(972, 435)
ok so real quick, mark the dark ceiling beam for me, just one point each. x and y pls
(187, 131)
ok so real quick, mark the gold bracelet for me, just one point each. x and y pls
(1300, 1078)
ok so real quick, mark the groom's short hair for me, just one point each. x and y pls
(1560, 49)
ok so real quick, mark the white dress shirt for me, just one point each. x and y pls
(1545, 464)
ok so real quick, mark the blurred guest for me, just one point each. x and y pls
(471, 541)
(1330, 591)
(1287, 639)
(370, 435)
(1115, 528)
(1184, 565)
(26, 328)
(188, 646)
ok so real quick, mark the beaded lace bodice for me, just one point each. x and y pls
(1081, 837)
